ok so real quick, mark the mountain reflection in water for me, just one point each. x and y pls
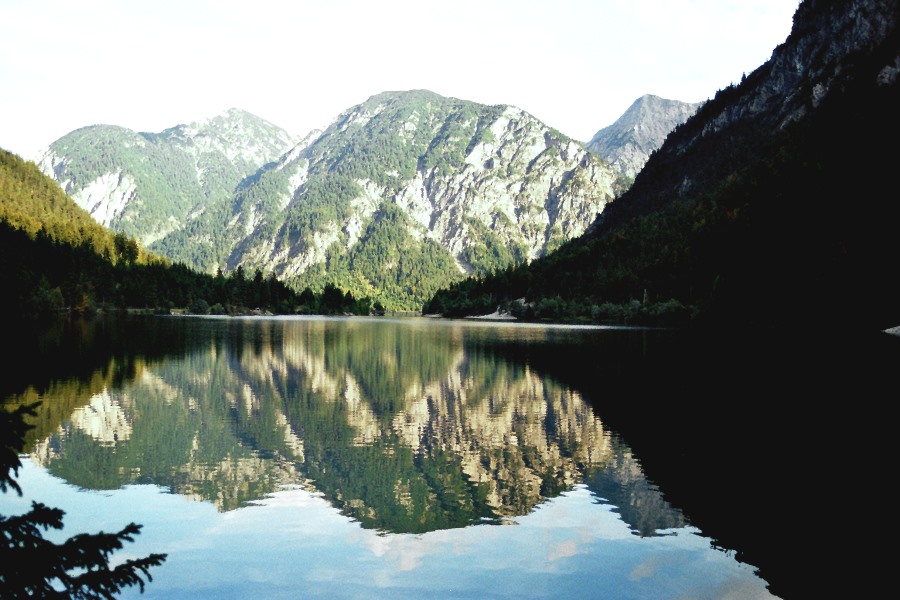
(401, 428)
(413, 426)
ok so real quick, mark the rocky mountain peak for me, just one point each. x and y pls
(411, 186)
(629, 141)
(240, 135)
(146, 184)
(400, 194)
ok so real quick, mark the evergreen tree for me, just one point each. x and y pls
(34, 567)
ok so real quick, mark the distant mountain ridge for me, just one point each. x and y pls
(628, 142)
(148, 184)
(400, 194)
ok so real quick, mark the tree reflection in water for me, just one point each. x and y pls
(404, 428)
(414, 426)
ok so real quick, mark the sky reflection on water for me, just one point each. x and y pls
(363, 458)
(293, 544)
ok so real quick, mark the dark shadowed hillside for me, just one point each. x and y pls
(775, 202)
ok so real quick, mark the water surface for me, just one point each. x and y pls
(360, 458)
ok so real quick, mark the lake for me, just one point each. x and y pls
(312, 457)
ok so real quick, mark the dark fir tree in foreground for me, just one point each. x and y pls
(79, 567)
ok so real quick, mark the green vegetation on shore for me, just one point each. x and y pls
(57, 259)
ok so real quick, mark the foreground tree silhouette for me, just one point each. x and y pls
(79, 567)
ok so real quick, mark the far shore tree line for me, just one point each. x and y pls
(47, 277)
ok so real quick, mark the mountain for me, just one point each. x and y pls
(399, 196)
(627, 143)
(147, 185)
(834, 61)
(405, 193)
(788, 178)
(58, 260)
(772, 204)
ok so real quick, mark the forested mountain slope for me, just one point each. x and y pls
(33, 203)
(405, 193)
(56, 259)
(775, 202)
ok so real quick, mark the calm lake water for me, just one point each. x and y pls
(423, 458)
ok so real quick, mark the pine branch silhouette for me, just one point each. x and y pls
(79, 567)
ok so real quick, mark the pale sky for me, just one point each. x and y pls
(576, 65)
